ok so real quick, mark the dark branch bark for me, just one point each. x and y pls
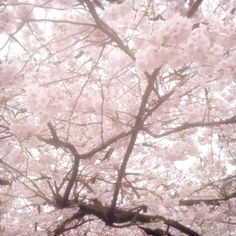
(161, 100)
(137, 127)
(155, 232)
(108, 30)
(181, 228)
(60, 144)
(53, 131)
(194, 8)
(190, 202)
(217, 201)
(4, 182)
(6, 136)
(61, 228)
(124, 216)
(71, 181)
(61, 202)
(105, 144)
(5, 132)
(186, 126)
(67, 145)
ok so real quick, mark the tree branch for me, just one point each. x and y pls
(186, 126)
(106, 144)
(108, 30)
(138, 125)
(155, 232)
(61, 228)
(61, 202)
(4, 182)
(123, 216)
(217, 201)
(53, 131)
(194, 8)
(60, 144)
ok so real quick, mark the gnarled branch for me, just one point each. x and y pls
(122, 216)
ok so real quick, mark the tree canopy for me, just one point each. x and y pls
(117, 117)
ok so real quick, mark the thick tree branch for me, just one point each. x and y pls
(67, 145)
(190, 202)
(60, 144)
(71, 182)
(121, 216)
(138, 125)
(53, 131)
(181, 228)
(4, 182)
(108, 30)
(194, 8)
(61, 202)
(106, 144)
(155, 232)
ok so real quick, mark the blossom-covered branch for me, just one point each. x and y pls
(138, 126)
(108, 30)
(117, 119)
(187, 126)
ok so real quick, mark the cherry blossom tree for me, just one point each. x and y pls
(117, 117)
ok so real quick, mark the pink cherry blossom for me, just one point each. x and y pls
(117, 117)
